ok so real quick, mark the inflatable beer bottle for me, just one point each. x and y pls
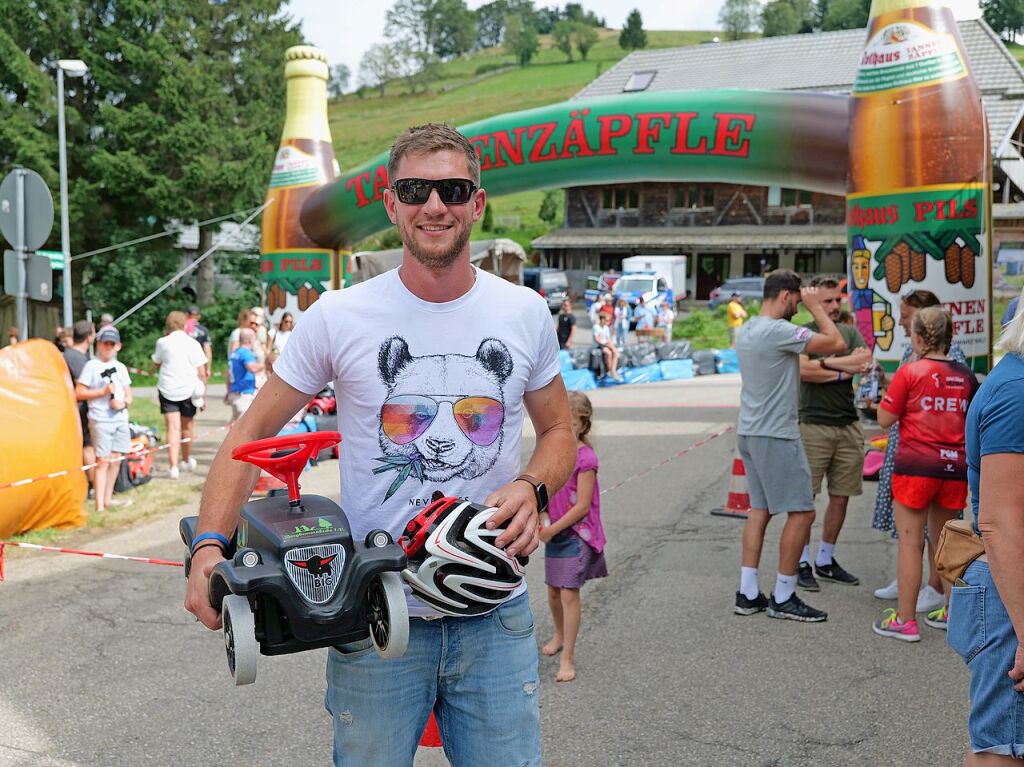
(918, 207)
(295, 269)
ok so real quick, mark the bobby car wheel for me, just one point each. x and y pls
(240, 638)
(388, 615)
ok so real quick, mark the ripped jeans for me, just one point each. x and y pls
(480, 675)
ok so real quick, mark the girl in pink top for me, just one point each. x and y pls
(573, 541)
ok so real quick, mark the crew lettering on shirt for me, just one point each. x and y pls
(931, 398)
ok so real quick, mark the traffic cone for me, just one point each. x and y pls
(431, 735)
(267, 484)
(737, 502)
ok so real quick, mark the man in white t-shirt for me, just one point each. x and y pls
(180, 387)
(435, 335)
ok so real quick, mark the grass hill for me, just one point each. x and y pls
(472, 88)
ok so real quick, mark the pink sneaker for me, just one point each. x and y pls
(890, 626)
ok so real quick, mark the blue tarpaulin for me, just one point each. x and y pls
(726, 361)
(565, 360)
(675, 370)
(645, 374)
(579, 379)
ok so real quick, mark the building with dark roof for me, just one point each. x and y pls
(731, 230)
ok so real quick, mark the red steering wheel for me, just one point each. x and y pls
(285, 457)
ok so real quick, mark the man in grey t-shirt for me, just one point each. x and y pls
(769, 348)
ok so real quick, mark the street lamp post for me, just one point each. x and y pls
(73, 68)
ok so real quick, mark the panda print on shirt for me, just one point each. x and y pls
(443, 415)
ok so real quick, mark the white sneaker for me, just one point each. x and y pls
(928, 599)
(172, 473)
(892, 591)
(189, 465)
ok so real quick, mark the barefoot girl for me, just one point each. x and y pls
(574, 541)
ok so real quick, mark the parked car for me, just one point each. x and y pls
(552, 284)
(749, 289)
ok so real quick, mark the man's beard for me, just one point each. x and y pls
(434, 261)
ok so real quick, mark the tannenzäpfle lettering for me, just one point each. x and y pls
(727, 134)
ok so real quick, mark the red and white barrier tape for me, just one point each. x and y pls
(97, 554)
(671, 458)
(134, 454)
(139, 372)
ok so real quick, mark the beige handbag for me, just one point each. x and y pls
(958, 546)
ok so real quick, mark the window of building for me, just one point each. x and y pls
(616, 197)
(758, 264)
(806, 263)
(639, 81)
(774, 196)
(693, 197)
(794, 198)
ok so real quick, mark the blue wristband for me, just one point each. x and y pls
(211, 537)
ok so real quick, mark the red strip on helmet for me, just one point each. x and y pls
(418, 528)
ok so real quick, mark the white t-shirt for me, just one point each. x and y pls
(97, 374)
(603, 334)
(400, 366)
(280, 339)
(178, 356)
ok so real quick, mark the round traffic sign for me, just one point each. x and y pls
(38, 209)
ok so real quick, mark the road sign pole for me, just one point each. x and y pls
(19, 248)
(65, 235)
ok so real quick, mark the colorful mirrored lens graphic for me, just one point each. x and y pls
(407, 416)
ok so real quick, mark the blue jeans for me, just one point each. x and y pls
(981, 633)
(479, 675)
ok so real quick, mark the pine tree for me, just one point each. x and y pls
(633, 36)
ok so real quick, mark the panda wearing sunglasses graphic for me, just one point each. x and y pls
(444, 413)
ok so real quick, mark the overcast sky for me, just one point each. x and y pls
(346, 29)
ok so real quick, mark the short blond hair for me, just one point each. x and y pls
(175, 321)
(1012, 338)
(430, 138)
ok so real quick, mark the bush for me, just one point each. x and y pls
(704, 328)
(490, 67)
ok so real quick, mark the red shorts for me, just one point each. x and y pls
(919, 492)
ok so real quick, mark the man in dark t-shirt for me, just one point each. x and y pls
(566, 325)
(76, 356)
(832, 436)
(196, 330)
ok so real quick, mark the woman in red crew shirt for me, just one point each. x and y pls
(929, 484)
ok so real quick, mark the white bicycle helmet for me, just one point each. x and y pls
(454, 565)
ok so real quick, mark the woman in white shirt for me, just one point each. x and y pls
(603, 338)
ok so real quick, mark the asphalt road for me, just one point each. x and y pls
(101, 666)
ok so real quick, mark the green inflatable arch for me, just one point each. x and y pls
(733, 136)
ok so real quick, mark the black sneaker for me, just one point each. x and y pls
(834, 572)
(794, 609)
(805, 578)
(746, 606)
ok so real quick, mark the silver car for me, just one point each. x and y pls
(553, 284)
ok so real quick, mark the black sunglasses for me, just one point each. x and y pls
(452, 191)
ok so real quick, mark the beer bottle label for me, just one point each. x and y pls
(926, 238)
(907, 54)
(293, 167)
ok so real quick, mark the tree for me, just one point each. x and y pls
(176, 121)
(379, 65)
(487, 222)
(453, 30)
(633, 36)
(545, 19)
(846, 14)
(520, 39)
(738, 17)
(548, 212)
(490, 23)
(338, 82)
(585, 37)
(779, 17)
(1006, 17)
(562, 34)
